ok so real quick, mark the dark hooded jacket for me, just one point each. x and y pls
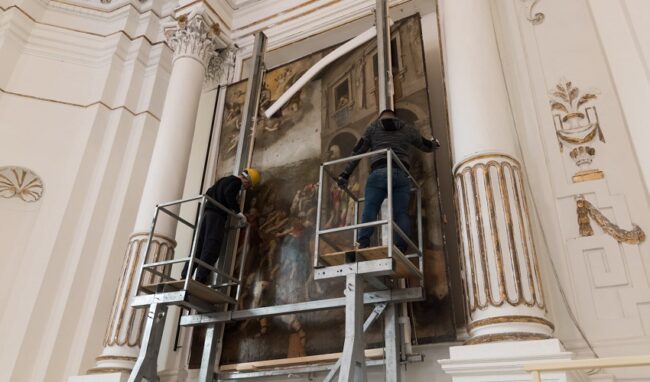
(390, 133)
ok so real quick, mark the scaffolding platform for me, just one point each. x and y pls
(403, 266)
(194, 289)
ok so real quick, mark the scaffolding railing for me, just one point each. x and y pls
(392, 162)
(191, 260)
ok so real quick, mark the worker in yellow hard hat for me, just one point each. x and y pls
(227, 192)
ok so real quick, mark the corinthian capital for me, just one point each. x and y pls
(195, 38)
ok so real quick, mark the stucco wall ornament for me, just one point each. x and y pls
(19, 182)
(219, 64)
(576, 125)
(586, 210)
(536, 18)
(193, 36)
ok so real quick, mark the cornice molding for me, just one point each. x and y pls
(87, 106)
(66, 28)
(160, 8)
(80, 49)
(310, 19)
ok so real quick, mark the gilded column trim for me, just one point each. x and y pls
(503, 337)
(514, 251)
(514, 224)
(470, 246)
(509, 319)
(162, 248)
(464, 268)
(481, 242)
(526, 236)
(503, 293)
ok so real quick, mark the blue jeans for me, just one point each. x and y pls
(375, 194)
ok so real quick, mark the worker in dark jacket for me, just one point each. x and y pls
(387, 132)
(212, 231)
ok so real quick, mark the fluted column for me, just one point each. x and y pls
(194, 41)
(501, 276)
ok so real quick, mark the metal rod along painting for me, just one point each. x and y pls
(321, 122)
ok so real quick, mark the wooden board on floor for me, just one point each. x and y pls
(371, 253)
(298, 361)
(195, 288)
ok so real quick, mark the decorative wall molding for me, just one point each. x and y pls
(586, 210)
(111, 108)
(75, 30)
(218, 64)
(159, 8)
(21, 183)
(577, 126)
(536, 18)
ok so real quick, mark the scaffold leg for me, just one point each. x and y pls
(146, 367)
(376, 312)
(392, 344)
(206, 373)
(353, 360)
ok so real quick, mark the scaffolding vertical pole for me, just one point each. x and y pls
(392, 344)
(386, 101)
(195, 240)
(208, 358)
(146, 367)
(146, 250)
(319, 206)
(389, 197)
(384, 63)
(353, 359)
(249, 114)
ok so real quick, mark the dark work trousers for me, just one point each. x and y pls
(208, 245)
(375, 194)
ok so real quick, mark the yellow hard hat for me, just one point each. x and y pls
(253, 175)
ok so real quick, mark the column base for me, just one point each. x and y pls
(121, 376)
(504, 361)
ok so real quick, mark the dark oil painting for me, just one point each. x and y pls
(322, 122)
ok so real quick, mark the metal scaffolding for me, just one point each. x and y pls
(384, 267)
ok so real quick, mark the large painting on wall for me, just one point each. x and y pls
(322, 122)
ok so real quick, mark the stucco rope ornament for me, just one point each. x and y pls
(586, 210)
(20, 182)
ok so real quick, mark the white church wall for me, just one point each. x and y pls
(607, 282)
(81, 91)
